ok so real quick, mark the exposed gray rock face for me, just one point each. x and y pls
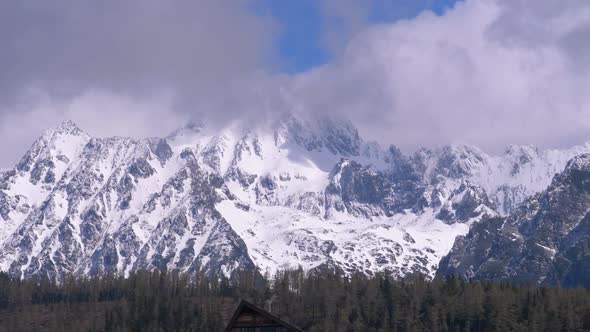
(363, 191)
(545, 241)
(309, 193)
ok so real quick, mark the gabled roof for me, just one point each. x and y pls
(247, 305)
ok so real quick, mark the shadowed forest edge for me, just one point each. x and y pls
(327, 301)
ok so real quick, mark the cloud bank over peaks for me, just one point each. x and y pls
(125, 68)
(474, 75)
(485, 72)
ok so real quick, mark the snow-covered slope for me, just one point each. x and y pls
(296, 193)
(507, 179)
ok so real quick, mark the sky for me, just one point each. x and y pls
(407, 72)
(311, 32)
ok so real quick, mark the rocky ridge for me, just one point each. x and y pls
(300, 193)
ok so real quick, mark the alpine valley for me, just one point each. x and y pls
(295, 193)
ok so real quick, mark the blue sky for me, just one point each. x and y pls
(303, 23)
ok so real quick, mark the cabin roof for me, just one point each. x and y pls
(245, 305)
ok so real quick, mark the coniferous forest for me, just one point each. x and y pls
(327, 301)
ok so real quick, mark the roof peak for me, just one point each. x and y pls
(245, 305)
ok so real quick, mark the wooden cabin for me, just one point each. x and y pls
(250, 318)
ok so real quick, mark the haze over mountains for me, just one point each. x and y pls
(297, 193)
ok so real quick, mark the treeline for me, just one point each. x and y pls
(327, 301)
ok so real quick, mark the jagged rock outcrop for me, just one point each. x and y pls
(545, 241)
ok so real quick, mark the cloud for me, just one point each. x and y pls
(131, 46)
(56, 54)
(99, 114)
(341, 20)
(486, 72)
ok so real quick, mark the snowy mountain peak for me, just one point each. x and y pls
(578, 163)
(68, 127)
(53, 151)
(527, 150)
(301, 192)
(453, 161)
(59, 135)
(186, 132)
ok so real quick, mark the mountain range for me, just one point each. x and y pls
(297, 192)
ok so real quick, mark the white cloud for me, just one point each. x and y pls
(480, 74)
(100, 113)
(488, 72)
(103, 63)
